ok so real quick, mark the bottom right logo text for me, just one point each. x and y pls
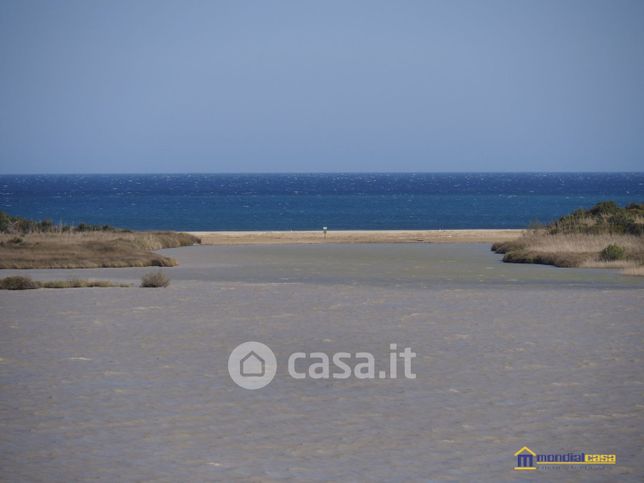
(528, 460)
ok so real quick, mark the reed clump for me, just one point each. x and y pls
(19, 282)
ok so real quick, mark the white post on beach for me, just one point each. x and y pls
(324, 228)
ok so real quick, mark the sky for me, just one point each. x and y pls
(110, 86)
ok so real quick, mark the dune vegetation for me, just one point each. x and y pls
(42, 244)
(604, 236)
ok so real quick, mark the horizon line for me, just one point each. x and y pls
(165, 173)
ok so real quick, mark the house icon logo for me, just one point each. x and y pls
(525, 459)
(252, 365)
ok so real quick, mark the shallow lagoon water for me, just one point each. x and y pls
(132, 384)
(378, 264)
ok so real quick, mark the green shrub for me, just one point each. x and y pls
(155, 279)
(605, 208)
(612, 252)
(5, 222)
(17, 283)
(634, 228)
(45, 226)
(17, 224)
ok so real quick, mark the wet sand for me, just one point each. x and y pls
(356, 236)
(132, 384)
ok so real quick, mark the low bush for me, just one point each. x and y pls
(155, 279)
(17, 283)
(612, 252)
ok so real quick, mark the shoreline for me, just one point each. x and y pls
(356, 236)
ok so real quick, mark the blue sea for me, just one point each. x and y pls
(311, 201)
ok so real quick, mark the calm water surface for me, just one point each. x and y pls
(310, 201)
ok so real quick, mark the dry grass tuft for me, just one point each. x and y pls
(155, 279)
(78, 283)
(637, 271)
(576, 243)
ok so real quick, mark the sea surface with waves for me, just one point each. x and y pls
(311, 201)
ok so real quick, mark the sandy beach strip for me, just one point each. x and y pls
(357, 236)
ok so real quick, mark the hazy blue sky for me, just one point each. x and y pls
(208, 86)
